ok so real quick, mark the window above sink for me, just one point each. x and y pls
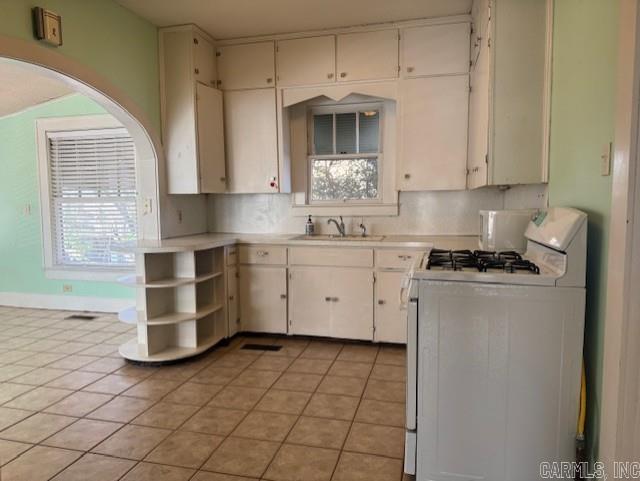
(349, 147)
(344, 154)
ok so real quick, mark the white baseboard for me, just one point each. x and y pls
(69, 303)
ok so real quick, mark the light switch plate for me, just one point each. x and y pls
(605, 160)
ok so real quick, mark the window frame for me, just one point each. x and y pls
(56, 125)
(311, 155)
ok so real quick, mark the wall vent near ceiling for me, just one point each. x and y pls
(80, 317)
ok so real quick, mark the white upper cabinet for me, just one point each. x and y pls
(210, 131)
(433, 133)
(367, 55)
(509, 116)
(204, 67)
(435, 50)
(251, 140)
(191, 112)
(306, 61)
(246, 66)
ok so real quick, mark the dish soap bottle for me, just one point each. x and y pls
(309, 228)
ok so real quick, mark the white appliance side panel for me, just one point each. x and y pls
(410, 452)
(412, 359)
(499, 374)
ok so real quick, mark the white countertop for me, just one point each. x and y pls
(211, 240)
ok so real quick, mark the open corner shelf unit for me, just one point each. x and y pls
(180, 304)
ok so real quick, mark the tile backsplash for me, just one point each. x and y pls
(421, 213)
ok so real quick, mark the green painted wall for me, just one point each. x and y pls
(100, 34)
(20, 233)
(582, 122)
(118, 45)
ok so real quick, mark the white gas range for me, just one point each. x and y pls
(494, 356)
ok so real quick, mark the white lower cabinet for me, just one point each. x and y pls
(330, 301)
(390, 318)
(263, 298)
(233, 317)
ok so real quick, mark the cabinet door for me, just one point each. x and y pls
(367, 55)
(478, 157)
(232, 300)
(306, 61)
(351, 305)
(204, 60)
(210, 129)
(309, 301)
(390, 320)
(263, 298)
(247, 66)
(435, 50)
(251, 140)
(433, 133)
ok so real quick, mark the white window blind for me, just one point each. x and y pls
(92, 187)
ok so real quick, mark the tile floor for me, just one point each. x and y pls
(72, 410)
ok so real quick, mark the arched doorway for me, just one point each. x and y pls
(149, 161)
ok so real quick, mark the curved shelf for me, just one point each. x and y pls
(210, 309)
(130, 350)
(133, 281)
(178, 317)
(128, 315)
(170, 318)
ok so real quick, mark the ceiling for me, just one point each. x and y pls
(22, 88)
(225, 19)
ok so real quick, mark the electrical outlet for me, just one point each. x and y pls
(605, 159)
(179, 216)
(147, 207)
(67, 288)
(27, 210)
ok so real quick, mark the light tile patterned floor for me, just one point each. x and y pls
(72, 410)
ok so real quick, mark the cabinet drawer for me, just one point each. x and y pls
(263, 255)
(396, 258)
(329, 256)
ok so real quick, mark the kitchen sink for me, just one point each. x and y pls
(332, 237)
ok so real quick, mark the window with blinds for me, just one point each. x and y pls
(344, 154)
(92, 194)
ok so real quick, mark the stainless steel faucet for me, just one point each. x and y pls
(339, 226)
(363, 229)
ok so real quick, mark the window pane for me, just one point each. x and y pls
(352, 179)
(323, 134)
(93, 198)
(369, 131)
(346, 133)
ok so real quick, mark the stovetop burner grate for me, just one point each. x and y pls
(484, 261)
